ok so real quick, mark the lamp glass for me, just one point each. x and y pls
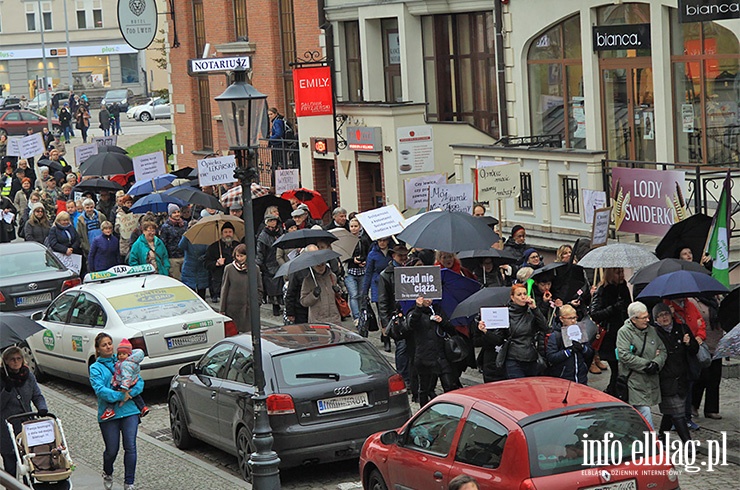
(244, 114)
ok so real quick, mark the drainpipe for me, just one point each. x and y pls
(501, 69)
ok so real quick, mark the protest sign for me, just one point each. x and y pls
(149, 166)
(39, 432)
(573, 333)
(452, 197)
(83, 152)
(592, 200)
(497, 180)
(215, 171)
(412, 282)
(111, 140)
(14, 146)
(495, 317)
(126, 223)
(286, 180)
(32, 145)
(417, 189)
(381, 222)
(600, 227)
(72, 262)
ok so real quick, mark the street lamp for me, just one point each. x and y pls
(244, 113)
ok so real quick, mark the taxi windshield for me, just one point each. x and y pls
(155, 304)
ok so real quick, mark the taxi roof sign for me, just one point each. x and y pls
(118, 272)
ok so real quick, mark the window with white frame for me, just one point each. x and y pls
(89, 14)
(32, 16)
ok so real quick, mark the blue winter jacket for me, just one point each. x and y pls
(104, 253)
(376, 263)
(101, 378)
(193, 273)
(566, 363)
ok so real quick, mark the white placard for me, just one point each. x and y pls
(417, 189)
(111, 140)
(39, 432)
(415, 146)
(149, 166)
(497, 180)
(32, 145)
(14, 146)
(382, 222)
(83, 152)
(495, 317)
(592, 200)
(126, 224)
(287, 180)
(452, 197)
(600, 227)
(72, 262)
(216, 171)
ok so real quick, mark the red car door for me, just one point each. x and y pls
(423, 460)
(12, 123)
(34, 121)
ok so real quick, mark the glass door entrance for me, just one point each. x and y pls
(629, 116)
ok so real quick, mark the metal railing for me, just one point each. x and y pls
(536, 141)
(283, 154)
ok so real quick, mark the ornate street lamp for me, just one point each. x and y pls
(244, 113)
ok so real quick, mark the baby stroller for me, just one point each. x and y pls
(41, 450)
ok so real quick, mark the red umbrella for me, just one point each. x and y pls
(316, 204)
(123, 179)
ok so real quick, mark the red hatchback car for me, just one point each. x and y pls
(523, 434)
(15, 122)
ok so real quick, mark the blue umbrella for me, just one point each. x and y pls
(682, 284)
(456, 288)
(156, 203)
(151, 185)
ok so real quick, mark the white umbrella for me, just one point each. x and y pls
(346, 243)
(618, 255)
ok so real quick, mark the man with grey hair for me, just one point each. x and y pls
(641, 355)
(339, 220)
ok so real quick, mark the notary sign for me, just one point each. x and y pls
(215, 171)
(412, 282)
(207, 65)
(313, 91)
(497, 180)
(137, 20)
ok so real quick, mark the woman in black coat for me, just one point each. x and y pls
(268, 264)
(63, 238)
(490, 342)
(609, 309)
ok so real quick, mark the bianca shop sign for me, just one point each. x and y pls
(707, 10)
(628, 36)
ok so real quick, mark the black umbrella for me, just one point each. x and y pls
(472, 258)
(449, 231)
(691, 232)
(729, 310)
(186, 173)
(306, 260)
(301, 238)
(260, 204)
(15, 329)
(97, 185)
(568, 279)
(53, 166)
(191, 195)
(490, 221)
(665, 266)
(111, 149)
(485, 298)
(107, 163)
(549, 269)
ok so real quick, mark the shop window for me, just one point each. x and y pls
(626, 13)
(354, 61)
(4, 78)
(525, 196)
(556, 100)
(206, 129)
(33, 15)
(89, 14)
(460, 69)
(569, 195)
(240, 19)
(35, 70)
(98, 68)
(129, 68)
(199, 27)
(392, 60)
(705, 58)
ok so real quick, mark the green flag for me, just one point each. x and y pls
(718, 246)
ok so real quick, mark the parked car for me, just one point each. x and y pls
(519, 434)
(10, 102)
(39, 102)
(327, 390)
(155, 108)
(15, 122)
(157, 314)
(30, 277)
(120, 96)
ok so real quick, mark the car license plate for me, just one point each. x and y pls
(196, 338)
(34, 299)
(340, 403)
(620, 485)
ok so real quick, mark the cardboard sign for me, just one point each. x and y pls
(417, 189)
(39, 432)
(415, 149)
(382, 222)
(287, 180)
(126, 224)
(648, 201)
(452, 197)
(106, 140)
(313, 91)
(14, 146)
(72, 262)
(600, 227)
(495, 317)
(216, 171)
(83, 152)
(412, 282)
(497, 180)
(149, 166)
(592, 200)
(32, 145)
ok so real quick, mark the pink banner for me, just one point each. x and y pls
(647, 201)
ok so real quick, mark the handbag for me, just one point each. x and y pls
(342, 306)
(502, 353)
(367, 320)
(703, 356)
(455, 348)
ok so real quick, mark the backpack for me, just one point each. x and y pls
(289, 135)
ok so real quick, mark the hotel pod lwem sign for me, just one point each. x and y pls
(137, 20)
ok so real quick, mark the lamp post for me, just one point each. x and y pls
(244, 113)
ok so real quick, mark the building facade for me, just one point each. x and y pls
(96, 59)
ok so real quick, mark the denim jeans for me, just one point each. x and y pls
(67, 133)
(645, 412)
(354, 284)
(520, 369)
(112, 430)
(402, 361)
(106, 132)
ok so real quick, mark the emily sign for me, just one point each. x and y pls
(647, 201)
(313, 91)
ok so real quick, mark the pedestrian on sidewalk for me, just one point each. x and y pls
(125, 423)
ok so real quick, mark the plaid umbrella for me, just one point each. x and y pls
(234, 195)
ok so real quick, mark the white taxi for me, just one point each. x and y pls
(157, 314)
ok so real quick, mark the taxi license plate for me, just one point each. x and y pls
(33, 299)
(196, 338)
(620, 485)
(340, 403)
